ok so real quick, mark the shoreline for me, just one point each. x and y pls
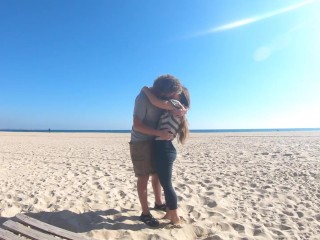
(244, 130)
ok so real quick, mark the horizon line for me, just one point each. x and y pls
(128, 130)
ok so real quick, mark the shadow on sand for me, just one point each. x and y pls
(2, 220)
(110, 219)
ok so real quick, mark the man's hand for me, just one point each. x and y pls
(166, 134)
(145, 88)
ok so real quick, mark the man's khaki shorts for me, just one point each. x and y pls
(142, 156)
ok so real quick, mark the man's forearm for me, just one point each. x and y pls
(139, 126)
(142, 128)
(147, 130)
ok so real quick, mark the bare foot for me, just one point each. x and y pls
(175, 221)
(172, 226)
(167, 216)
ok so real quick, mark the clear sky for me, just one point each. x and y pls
(75, 64)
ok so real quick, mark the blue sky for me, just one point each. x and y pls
(75, 64)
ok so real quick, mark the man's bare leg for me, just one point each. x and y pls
(142, 183)
(157, 190)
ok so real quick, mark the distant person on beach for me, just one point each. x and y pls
(145, 121)
(164, 149)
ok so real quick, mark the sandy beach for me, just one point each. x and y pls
(229, 185)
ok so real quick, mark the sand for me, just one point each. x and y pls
(229, 185)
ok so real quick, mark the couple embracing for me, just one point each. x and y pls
(158, 118)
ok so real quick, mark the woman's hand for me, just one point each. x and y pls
(180, 112)
(166, 134)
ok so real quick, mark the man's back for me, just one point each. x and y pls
(148, 114)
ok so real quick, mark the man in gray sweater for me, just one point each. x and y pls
(144, 130)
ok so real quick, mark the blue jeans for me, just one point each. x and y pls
(165, 156)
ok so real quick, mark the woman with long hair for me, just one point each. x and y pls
(164, 149)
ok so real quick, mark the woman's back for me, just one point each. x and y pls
(169, 121)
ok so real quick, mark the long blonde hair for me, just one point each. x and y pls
(183, 131)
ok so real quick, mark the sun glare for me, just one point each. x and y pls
(247, 21)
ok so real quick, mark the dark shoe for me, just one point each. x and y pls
(162, 207)
(149, 220)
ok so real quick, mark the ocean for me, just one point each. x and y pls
(192, 130)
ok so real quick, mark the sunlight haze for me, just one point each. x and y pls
(79, 65)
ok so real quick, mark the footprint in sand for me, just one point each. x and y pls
(195, 214)
(207, 181)
(301, 214)
(238, 227)
(258, 231)
(199, 231)
(18, 198)
(98, 185)
(211, 204)
(122, 194)
(279, 234)
(189, 208)
(216, 214)
(214, 237)
(284, 227)
(223, 226)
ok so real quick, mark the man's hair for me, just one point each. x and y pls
(166, 84)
